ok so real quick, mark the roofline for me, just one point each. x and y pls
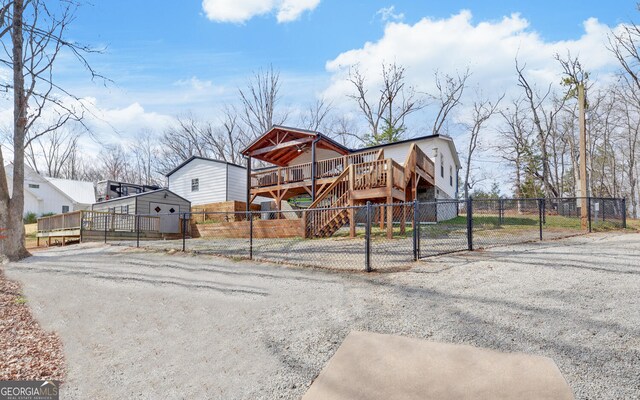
(142, 194)
(188, 160)
(377, 146)
(436, 136)
(300, 130)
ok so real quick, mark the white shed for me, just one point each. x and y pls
(204, 180)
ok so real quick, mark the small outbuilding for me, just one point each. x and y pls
(162, 202)
(204, 181)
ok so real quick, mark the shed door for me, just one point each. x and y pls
(169, 216)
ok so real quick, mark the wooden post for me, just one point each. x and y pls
(352, 220)
(389, 199)
(389, 217)
(381, 209)
(248, 185)
(583, 157)
(403, 220)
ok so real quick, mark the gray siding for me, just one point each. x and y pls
(159, 197)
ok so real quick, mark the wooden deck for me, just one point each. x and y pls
(350, 180)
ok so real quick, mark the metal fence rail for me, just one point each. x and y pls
(387, 236)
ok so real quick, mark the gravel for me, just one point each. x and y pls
(153, 325)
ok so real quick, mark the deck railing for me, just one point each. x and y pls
(60, 222)
(423, 162)
(329, 168)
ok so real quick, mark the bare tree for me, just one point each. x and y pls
(50, 154)
(625, 47)
(483, 110)
(37, 37)
(315, 117)
(448, 97)
(144, 154)
(515, 143)
(259, 101)
(185, 138)
(344, 130)
(226, 140)
(386, 112)
(115, 163)
(536, 103)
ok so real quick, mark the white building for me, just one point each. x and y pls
(204, 180)
(441, 150)
(44, 195)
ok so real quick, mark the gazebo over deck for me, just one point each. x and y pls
(296, 153)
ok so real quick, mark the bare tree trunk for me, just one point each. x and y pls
(14, 247)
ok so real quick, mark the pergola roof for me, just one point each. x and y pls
(282, 144)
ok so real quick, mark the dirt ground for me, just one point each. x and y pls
(153, 325)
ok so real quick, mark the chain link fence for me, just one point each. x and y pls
(387, 237)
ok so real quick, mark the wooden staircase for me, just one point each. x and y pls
(328, 212)
(324, 216)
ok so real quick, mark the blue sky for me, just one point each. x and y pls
(152, 45)
(167, 60)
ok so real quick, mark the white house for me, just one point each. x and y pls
(439, 148)
(50, 195)
(204, 180)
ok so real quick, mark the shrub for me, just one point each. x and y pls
(30, 218)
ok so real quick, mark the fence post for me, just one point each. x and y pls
(137, 231)
(416, 230)
(624, 213)
(82, 223)
(470, 223)
(250, 217)
(367, 239)
(106, 223)
(540, 208)
(604, 208)
(589, 212)
(184, 232)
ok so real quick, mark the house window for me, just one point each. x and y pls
(65, 209)
(125, 209)
(450, 176)
(195, 185)
(34, 186)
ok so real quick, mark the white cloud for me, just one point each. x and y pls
(389, 14)
(291, 10)
(239, 11)
(194, 83)
(487, 48)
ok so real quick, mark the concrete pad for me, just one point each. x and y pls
(375, 366)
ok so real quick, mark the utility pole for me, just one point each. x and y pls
(583, 157)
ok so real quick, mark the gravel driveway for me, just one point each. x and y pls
(151, 325)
